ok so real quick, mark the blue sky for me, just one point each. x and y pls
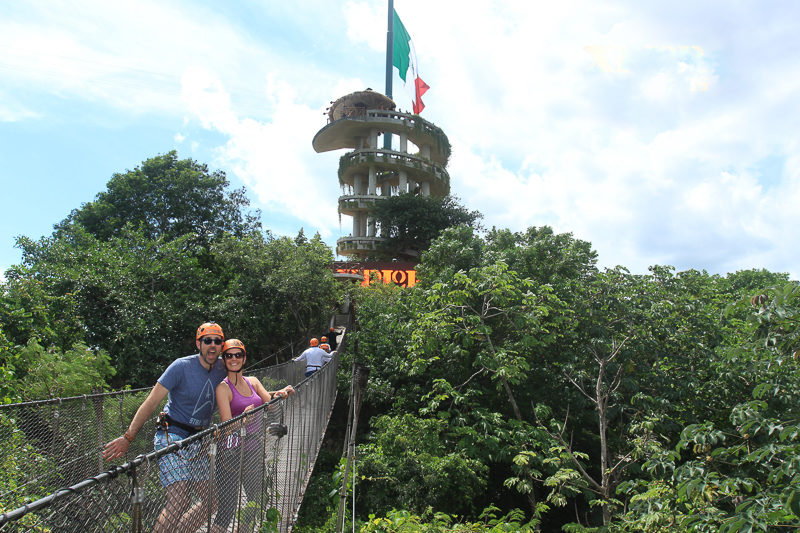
(661, 132)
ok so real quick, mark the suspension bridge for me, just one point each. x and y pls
(59, 482)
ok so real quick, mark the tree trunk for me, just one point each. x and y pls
(601, 400)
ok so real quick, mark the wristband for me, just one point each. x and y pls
(127, 438)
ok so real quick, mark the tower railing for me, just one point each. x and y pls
(425, 169)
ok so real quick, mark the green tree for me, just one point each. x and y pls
(277, 290)
(472, 340)
(163, 249)
(139, 299)
(457, 249)
(48, 373)
(29, 308)
(437, 522)
(166, 197)
(21, 465)
(737, 473)
(9, 391)
(565, 379)
(409, 222)
(409, 459)
(557, 259)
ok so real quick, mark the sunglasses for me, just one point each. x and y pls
(237, 355)
(216, 341)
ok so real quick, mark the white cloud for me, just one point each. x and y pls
(128, 56)
(364, 21)
(645, 128)
(611, 122)
(16, 114)
(274, 158)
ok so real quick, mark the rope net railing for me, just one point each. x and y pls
(245, 472)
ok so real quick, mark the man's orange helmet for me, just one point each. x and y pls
(313, 342)
(325, 346)
(209, 328)
(234, 343)
(323, 339)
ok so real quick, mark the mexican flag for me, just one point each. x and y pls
(404, 57)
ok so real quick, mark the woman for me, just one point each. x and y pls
(235, 395)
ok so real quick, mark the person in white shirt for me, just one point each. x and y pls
(314, 357)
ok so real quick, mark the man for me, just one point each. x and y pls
(189, 384)
(332, 338)
(313, 356)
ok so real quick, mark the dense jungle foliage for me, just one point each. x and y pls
(517, 387)
(518, 376)
(116, 292)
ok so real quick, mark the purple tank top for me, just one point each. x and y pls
(239, 403)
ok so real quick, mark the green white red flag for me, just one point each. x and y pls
(404, 57)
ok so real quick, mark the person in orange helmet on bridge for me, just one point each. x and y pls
(235, 395)
(188, 384)
(332, 338)
(313, 356)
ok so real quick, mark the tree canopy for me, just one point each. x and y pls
(166, 197)
(596, 398)
(165, 248)
(409, 222)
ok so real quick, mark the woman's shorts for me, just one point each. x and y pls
(187, 464)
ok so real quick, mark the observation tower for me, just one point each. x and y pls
(392, 152)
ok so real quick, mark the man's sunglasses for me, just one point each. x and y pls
(237, 355)
(216, 341)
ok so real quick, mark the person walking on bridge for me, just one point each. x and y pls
(314, 357)
(332, 338)
(236, 395)
(189, 383)
(327, 349)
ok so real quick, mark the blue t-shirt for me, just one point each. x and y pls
(191, 391)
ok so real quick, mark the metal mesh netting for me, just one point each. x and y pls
(61, 439)
(242, 473)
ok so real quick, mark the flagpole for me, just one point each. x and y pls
(389, 49)
(387, 138)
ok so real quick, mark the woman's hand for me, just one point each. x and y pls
(285, 392)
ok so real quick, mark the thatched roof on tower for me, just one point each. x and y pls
(356, 103)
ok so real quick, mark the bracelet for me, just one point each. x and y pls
(127, 438)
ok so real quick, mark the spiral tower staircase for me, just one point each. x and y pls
(411, 158)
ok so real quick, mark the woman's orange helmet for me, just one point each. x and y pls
(234, 343)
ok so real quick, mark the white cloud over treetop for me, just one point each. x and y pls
(662, 133)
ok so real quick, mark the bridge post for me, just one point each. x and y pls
(137, 499)
(357, 386)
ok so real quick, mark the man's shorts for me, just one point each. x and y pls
(189, 463)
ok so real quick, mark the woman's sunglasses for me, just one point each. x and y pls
(228, 355)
